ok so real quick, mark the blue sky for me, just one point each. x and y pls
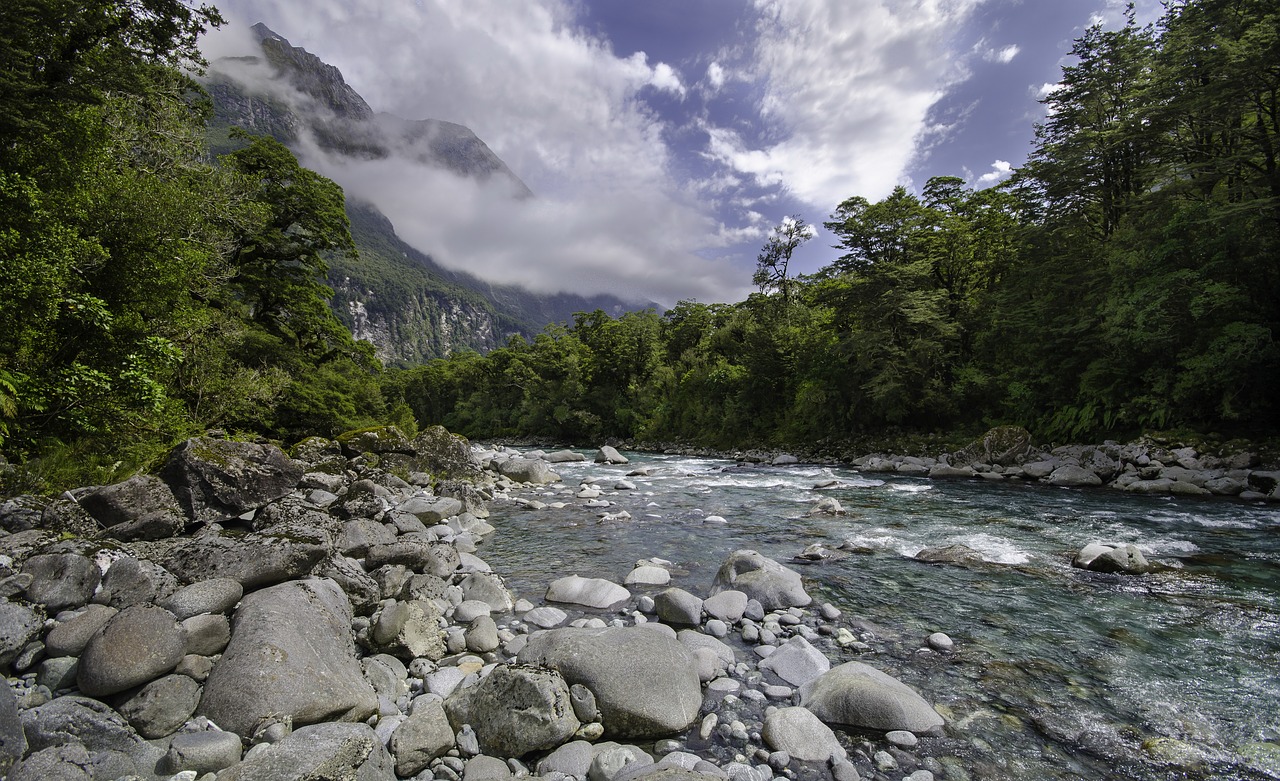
(665, 138)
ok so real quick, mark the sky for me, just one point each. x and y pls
(664, 139)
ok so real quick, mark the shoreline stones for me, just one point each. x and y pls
(345, 629)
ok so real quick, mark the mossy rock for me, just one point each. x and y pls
(1003, 445)
(378, 440)
(443, 454)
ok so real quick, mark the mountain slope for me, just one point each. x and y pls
(397, 297)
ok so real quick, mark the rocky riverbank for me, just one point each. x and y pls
(247, 614)
(1008, 453)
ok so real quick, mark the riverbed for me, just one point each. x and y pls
(1057, 673)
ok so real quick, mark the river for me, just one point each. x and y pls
(1057, 673)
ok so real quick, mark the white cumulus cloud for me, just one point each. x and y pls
(1000, 170)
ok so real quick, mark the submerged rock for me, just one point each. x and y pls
(761, 578)
(860, 696)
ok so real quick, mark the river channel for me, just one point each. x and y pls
(1057, 673)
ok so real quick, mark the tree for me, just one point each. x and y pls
(774, 259)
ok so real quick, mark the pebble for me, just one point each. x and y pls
(829, 611)
(717, 628)
(708, 726)
(902, 738)
(778, 692)
(884, 761)
(939, 641)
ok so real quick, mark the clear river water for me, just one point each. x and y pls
(1057, 673)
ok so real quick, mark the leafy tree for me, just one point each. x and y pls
(775, 258)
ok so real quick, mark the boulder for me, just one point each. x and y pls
(762, 579)
(422, 737)
(291, 656)
(1072, 476)
(647, 575)
(13, 743)
(207, 634)
(488, 588)
(61, 580)
(432, 558)
(645, 682)
(590, 592)
(202, 752)
(1003, 445)
(728, 606)
(217, 479)
(136, 646)
(443, 454)
(113, 748)
(801, 734)
(515, 710)
(333, 751)
(859, 696)
(946, 472)
(431, 509)
(950, 554)
(1123, 559)
(140, 508)
(528, 470)
(362, 590)
(360, 534)
(677, 606)
(131, 581)
(70, 637)
(162, 706)
(409, 629)
(565, 457)
(796, 661)
(379, 440)
(253, 560)
(609, 455)
(216, 595)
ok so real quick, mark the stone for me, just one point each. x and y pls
(797, 662)
(488, 588)
(13, 742)
(762, 579)
(940, 641)
(728, 606)
(902, 738)
(253, 560)
(207, 634)
(216, 595)
(859, 696)
(432, 558)
(431, 509)
(379, 440)
(950, 554)
(67, 762)
(137, 645)
(515, 710)
(565, 457)
(801, 734)
(528, 470)
(162, 706)
(130, 581)
(359, 534)
(19, 625)
(946, 472)
(1072, 476)
(644, 681)
(590, 592)
(362, 590)
(333, 751)
(469, 610)
(609, 455)
(610, 761)
(443, 454)
(421, 738)
(291, 655)
(114, 749)
(140, 508)
(646, 575)
(57, 673)
(1003, 445)
(61, 580)
(571, 759)
(1125, 559)
(70, 637)
(546, 617)
(202, 752)
(485, 768)
(482, 635)
(217, 479)
(409, 629)
(677, 606)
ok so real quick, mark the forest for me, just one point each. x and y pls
(1126, 279)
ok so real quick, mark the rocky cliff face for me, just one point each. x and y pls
(398, 298)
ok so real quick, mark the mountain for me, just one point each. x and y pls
(411, 308)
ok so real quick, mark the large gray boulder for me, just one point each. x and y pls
(762, 579)
(859, 696)
(515, 710)
(61, 580)
(216, 595)
(202, 752)
(444, 454)
(1003, 445)
(140, 508)
(645, 682)
(589, 592)
(136, 646)
(409, 629)
(291, 655)
(217, 479)
(379, 440)
(162, 706)
(253, 560)
(801, 734)
(1072, 476)
(528, 470)
(1122, 559)
(608, 454)
(796, 661)
(113, 748)
(422, 737)
(332, 752)
(13, 743)
(70, 637)
(131, 581)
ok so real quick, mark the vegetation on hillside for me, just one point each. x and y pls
(1126, 279)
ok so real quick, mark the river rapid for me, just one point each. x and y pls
(1057, 673)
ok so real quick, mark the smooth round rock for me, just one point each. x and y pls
(138, 645)
(216, 595)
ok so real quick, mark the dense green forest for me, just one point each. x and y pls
(1126, 279)
(148, 290)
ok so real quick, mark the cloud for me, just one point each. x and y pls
(1000, 170)
(556, 105)
(716, 76)
(848, 85)
(1004, 56)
